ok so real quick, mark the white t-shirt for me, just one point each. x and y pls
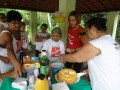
(24, 37)
(54, 49)
(40, 44)
(104, 69)
(4, 24)
(17, 44)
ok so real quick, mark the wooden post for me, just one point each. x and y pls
(112, 22)
(33, 26)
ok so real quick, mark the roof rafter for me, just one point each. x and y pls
(82, 6)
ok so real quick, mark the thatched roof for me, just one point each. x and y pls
(82, 6)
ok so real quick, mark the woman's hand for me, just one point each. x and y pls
(18, 69)
(61, 58)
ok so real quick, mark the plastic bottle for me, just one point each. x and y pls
(41, 83)
(44, 63)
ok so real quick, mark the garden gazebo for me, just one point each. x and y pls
(82, 6)
(65, 6)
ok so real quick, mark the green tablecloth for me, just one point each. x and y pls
(81, 85)
(6, 84)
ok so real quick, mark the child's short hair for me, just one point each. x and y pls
(56, 30)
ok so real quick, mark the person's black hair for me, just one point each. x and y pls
(76, 15)
(45, 25)
(13, 15)
(99, 23)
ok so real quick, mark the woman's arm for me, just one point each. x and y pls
(84, 37)
(84, 54)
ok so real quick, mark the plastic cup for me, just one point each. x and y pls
(36, 73)
(31, 79)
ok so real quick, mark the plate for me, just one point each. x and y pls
(81, 74)
(56, 65)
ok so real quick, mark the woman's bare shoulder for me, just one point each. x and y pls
(5, 37)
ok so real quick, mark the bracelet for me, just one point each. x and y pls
(82, 33)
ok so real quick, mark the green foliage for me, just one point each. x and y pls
(53, 22)
(43, 18)
(86, 17)
(4, 10)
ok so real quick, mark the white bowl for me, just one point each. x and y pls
(56, 65)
